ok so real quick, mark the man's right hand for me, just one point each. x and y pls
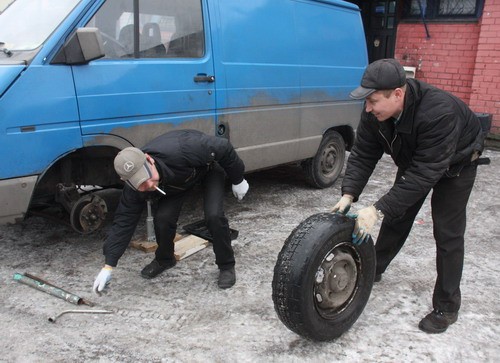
(102, 280)
(239, 190)
(344, 204)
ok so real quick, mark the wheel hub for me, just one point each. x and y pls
(328, 161)
(88, 214)
(335, 282)
(339, 280)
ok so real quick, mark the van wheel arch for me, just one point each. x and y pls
(91, 165)
(59, 186)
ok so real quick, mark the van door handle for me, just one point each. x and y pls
(204, 78)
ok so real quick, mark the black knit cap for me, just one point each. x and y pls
(380, 75)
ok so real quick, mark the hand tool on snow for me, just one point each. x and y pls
(49, 288)
(53, 319)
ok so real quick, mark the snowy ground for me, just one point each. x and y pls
(182, 316)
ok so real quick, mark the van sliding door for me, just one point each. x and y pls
(258, 79)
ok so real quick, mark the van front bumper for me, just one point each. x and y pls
(15, 196)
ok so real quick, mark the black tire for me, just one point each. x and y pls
(324, 168)
(321, 280)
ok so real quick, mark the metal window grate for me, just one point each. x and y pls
(457, 7)
(437, 9)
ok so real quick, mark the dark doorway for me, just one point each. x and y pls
(379, 20)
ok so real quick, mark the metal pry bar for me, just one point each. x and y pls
(47, 287)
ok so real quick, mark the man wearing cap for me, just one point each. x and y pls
(166, 169)
(434, 139)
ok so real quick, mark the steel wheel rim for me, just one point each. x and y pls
(336, 280)
(328, 160)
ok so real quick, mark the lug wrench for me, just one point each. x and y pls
(53, 319)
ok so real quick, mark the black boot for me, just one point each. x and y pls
(437, 321)
(155, 268)
(227, 278)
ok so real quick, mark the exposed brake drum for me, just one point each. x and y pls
(88, 213)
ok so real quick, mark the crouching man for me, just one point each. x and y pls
(167, 169)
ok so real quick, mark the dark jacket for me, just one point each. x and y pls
(434, 138)
(182, 158)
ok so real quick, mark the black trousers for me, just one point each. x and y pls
(169, 208)
(448, 203)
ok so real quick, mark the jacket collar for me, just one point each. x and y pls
(405, 124)
(166, 174)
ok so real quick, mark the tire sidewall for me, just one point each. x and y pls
(328, 231)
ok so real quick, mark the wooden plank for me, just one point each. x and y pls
(148, 246)
(188, 245)
(184, 245)
(144, 245)
(182, 255)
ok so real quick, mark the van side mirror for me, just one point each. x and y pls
(83, 46)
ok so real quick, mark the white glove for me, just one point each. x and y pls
(367, 217)
(344, 204)
(102, 280)
(239, 190)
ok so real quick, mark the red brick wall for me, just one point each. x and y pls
(446, 59)
(462, 58)
(485, 96)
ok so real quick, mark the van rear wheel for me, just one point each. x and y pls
(322, 281)
(324, 168)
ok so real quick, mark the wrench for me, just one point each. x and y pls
(53, 319)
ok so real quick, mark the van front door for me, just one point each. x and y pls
(157, 74)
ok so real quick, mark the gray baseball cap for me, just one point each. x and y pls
(380, 75)
(132, 167)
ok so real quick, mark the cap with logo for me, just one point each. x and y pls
(132, 167)
(380, 75)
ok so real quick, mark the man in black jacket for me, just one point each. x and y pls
(166, 169)
(435, 140)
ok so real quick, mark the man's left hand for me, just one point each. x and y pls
(367, 217)
(239, 190)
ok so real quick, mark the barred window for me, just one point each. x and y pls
(454, 7)
(440, 9)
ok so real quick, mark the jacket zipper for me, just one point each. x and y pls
(387, 141)
(193, 174)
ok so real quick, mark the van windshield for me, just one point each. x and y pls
(26, 24)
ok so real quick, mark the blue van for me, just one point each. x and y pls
(82, 79)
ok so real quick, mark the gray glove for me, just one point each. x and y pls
(366, 219)
(102, 280)
(344, 204)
